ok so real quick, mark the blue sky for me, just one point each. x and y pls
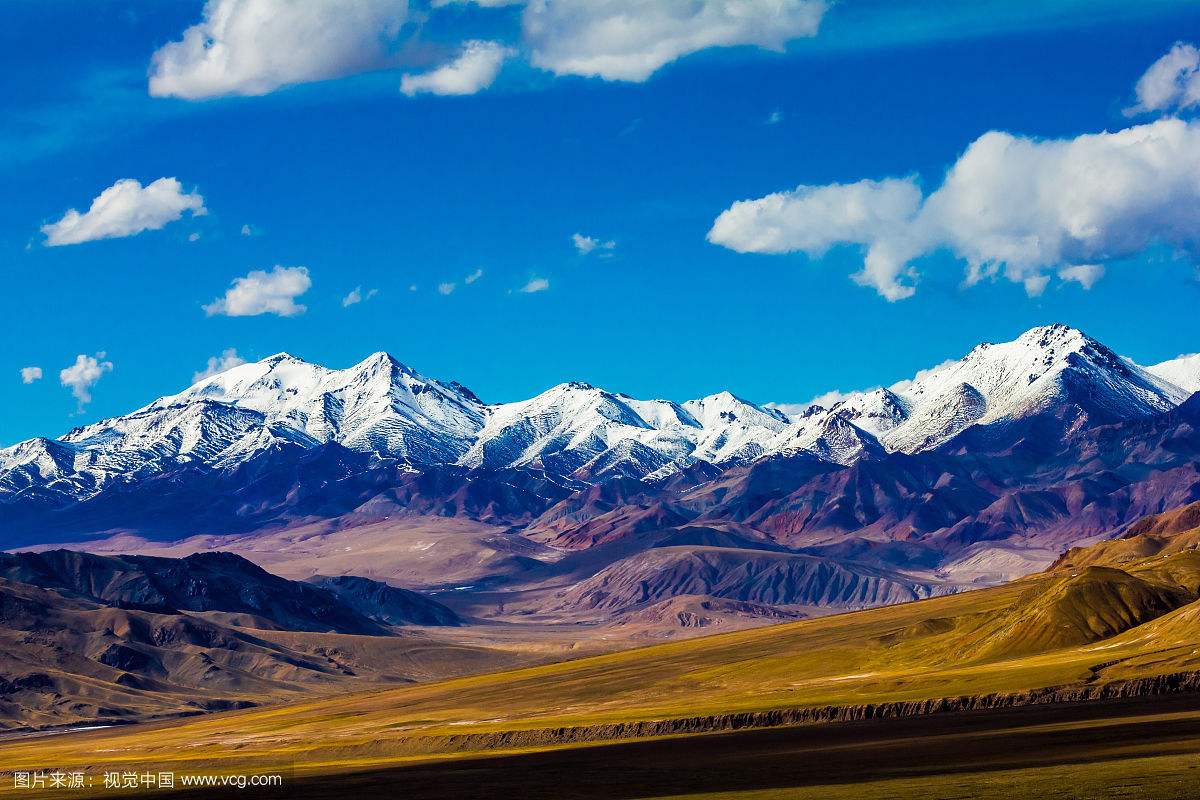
(366, 187)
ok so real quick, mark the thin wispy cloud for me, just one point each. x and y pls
(446, 288)
(474, 276)
(357, 295)
(227, 360)
(535, 285)
(587, 244)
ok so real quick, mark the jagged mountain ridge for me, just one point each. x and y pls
(384, 409)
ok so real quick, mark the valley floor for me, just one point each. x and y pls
(1146, 748)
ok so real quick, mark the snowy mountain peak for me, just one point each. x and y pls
(725, 407)
(1183, 372)
(1048, 367)
(382, 407)
(830, 435)
(877, 411)
(734, 429)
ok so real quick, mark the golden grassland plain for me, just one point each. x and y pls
(1075, 626)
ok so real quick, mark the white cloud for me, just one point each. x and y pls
(446, 288)
(247, 230)
(412, 287)
(473, 70)
(252, 47)
(474, 276)
(1011, 206)
(193, 237)
(630, 39)
(81, 376)
(125, 209)
(900, 387)
(1171, 82)
(262, 292)
(586, 244)
(811, 219)
(483, 3)
(1035, 285)
(357, 295)
(826, 400)
(535, 285)
(774, 118)
(1085, 275)
(228, 359)
(30, 374)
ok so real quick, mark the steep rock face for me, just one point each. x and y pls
(753, 576)
(202, 582)
(385, 604)
(876, 412)
(828, 435)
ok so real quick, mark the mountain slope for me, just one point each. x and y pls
(385, 410)
(935, 656)
(203, 582)
(1183, 372)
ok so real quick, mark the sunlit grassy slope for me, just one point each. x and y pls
(1109, 620)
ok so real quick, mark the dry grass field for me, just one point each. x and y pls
(1076, 628)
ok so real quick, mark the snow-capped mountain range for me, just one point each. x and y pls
(383, 408)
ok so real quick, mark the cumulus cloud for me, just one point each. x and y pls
(252, 47)
(812, 219)
(535, 285)
(1171, 82)
(81, 376)
(228, 359)
(474, 276)
(357, 295)
(586, 244)
(475, 68)
(629, 40)
(446, 288)
(30, 374)
(1085, 275)
(125, 209)
(1012, 206)
(262, 292)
